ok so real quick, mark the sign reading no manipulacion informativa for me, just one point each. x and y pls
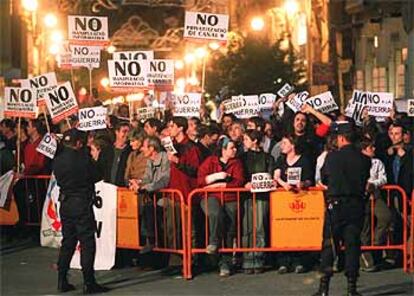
(20, 102)
(134, 55)
(61, 102)
(200, 25)
(128, 74)
(88, 30)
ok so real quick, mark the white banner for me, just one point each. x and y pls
(168, 145)
(262, 182)
(285, 90)
(410, 108)
(92, 30)
(51, 226)
(380, 104)
(105, 217)
(85, 56)
(294, 175)
(128, 74)
(161, 73)
(133, 55)
(47, 146)
(249, 108)
(61, 102)
(200, 25)
(92, 118)
(296, 103)
(42, 83)
(187, 105)
(20, 102)
(5, 182)
(323, 102)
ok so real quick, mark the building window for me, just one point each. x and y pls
(379, 80)
(359, 80)
(400, 81)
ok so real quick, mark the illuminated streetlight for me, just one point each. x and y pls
(105, 82)
(376, 41)
(257, 23)
(214, 45)
(111, 49)
(179, 64)
(189, 58)
(50, 20)
(193, 81)
(83, 91)
(201, 52)
(54, 49)
(30, 5)
(291, 7)
(56, 36)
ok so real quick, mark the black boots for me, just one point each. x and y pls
(323, 287)
(352, 291)
(94, 288)
(63, 284)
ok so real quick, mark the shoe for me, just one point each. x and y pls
(282, 269)
(146, 249)
(299, 269)
(323, 287)
(94, 288)
(224, 272)
(211, 249)
(352, 290)
(369, 269)
(63, 284)
(248, 271)
(258, 270)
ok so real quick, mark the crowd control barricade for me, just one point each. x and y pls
(288, 211)
(411, 240)
(168, 208)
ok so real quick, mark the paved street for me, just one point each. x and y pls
(28, 270)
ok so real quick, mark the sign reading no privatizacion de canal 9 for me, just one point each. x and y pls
(88, 30)
(61, 102)
(200, 25)
(92, 118)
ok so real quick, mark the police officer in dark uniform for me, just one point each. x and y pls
(76, 173)
(345, 173)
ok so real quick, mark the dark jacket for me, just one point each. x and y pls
(106, 160)
(257, 162)
(406, 176)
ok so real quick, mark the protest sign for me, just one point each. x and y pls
(161, 74)
(85, 56)
(88, 30)
(200, 25)
(6, 182)
(42, 83)
(356, 105)
(20, 102)
(61, 102)
(249, 107)
(168, 145)
(285, 90)
(47, 146)
(105, 210)
(296, 102)
(266, 101)
(128, 74)
(92, 118)
(133, 55)
(410, 108)
(323, 102)
(145, 113)
(294, 175)
(233, 104)
(380, 104)
(262, 182)
(64, 56)
(187, 105)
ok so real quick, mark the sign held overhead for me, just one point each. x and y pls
(200, 25)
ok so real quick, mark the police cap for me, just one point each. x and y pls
(341, 127)
(72, 136)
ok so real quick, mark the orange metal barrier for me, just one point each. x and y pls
(203, 193)
(169, 222)
(411, 240)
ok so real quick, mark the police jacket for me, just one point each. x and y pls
(76, 173)
(346, 172)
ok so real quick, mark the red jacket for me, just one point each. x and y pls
(234, 167)
(34, 162)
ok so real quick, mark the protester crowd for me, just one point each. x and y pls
(225, 154)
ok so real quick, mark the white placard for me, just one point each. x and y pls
(47, 146)
(233, 104)
(200, 25)
(85, 56)
(105, 217)
(91, 30)
(161, 73)
(42, 83)
(249, 108)
(61, 102)
(262, 182)
(380, 103)
(128, 74)
(296, 102)
(410, 108)
(294, 175)
(6, 181)
(145, 113)
(187, 105)
(168, 145)
(285, 90)
(266, 101)
(92, 118)
(356, 105)
(323, 102)
(20, 102)
(64, 57)
(133, 55)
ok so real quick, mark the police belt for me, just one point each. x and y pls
(336, 200)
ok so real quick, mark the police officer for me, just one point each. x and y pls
(76, 174)
(345, 173)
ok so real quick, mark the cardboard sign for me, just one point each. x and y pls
(187, 105)
(296, 220)
(145, 113)
(249, 108)
(296, 103)
(47, 146)
(323, 102)
(85, 56)
(61, 102)
(128, 74)
(161, 73)
(293, 175)
(410, 108)
(285, 90)
(90, 30)
(92, 118)
(262, 182)
(380, 103)
(168, 145)
(200, 25)
(42, 83)
(133, 55)
(20, 102)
